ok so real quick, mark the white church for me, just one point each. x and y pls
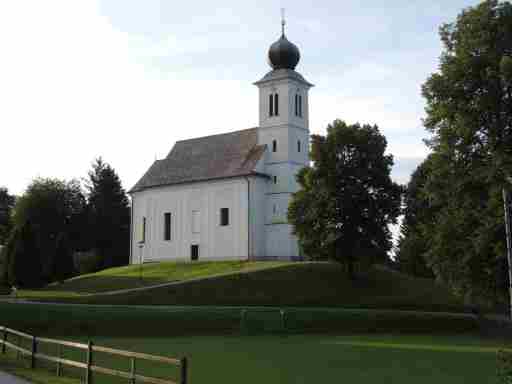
(226, 196)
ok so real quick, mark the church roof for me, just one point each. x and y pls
(206, 158)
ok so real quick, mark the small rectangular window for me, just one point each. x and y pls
(167, 226)
(194, 252)
(271, 105)
(224, 216)
(276, 104)
(274, 145)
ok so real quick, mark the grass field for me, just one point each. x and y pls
(308, 359)
(260, 284)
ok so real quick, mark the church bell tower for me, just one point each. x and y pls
(284, 128)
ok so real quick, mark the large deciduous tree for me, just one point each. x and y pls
(469, 113)
(6, 205)
(110, 215)
(52, 207)
(346, 199)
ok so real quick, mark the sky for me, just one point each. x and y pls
(125, 79)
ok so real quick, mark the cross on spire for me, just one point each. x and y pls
(283, 22)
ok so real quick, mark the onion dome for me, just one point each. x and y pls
(283, 54)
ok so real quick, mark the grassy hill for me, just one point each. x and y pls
(255, 284)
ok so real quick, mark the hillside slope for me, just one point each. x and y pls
(281, 284)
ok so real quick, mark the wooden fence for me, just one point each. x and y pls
(89, 366)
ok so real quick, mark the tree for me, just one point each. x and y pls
(6, 205)
(52, 207)
(347, 199)
(24, 256)
(110, 215)
(469, 114)
(63, 266)
(413, 241)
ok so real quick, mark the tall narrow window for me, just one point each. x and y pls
(275, 179)
(298, 145)
(143, 231)
(296, 105)
(196, 221)
(300, 105)
(224, 216)
(274, 145)
(274, 209)
(167, 226)
(271, 105)
(276, 104)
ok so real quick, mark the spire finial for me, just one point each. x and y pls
(283, 22)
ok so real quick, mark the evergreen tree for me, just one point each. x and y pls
(413, 241)
(110, 215)
(347, 199)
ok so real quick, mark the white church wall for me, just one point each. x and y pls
(257, 216)
(215, 242)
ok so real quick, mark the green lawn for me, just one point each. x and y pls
(380, 358)
(153, 273)
(263, 284)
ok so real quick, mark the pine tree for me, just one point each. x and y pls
(110, 215)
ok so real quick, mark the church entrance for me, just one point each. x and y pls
(194, 252)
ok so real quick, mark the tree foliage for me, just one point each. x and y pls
(6, 205)
(469, 114)
(346, 199)
(109, 214)
(52, 207)
(24, 258)
(413, 241)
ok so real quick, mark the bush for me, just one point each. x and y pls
(504, 367)
(87, 262)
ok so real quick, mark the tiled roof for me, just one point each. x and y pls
(206, 158)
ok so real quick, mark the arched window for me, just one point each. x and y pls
(276, 104)
(298, 145)
(274, 145)
(296, 105)
(300, 105)
(271, 105)
(275, 179)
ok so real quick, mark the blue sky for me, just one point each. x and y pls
(125, 79)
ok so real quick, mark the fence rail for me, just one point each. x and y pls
(132, 376)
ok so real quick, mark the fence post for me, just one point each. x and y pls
(88, 377)
(184, 369)
(18, 353)
(33, 353)
(4, 339)
(59, 355)
(243, 315)
(132, 371)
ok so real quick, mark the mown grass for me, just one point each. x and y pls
(98, 320)
(295, 284)
(361, 358)
(134, 276)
